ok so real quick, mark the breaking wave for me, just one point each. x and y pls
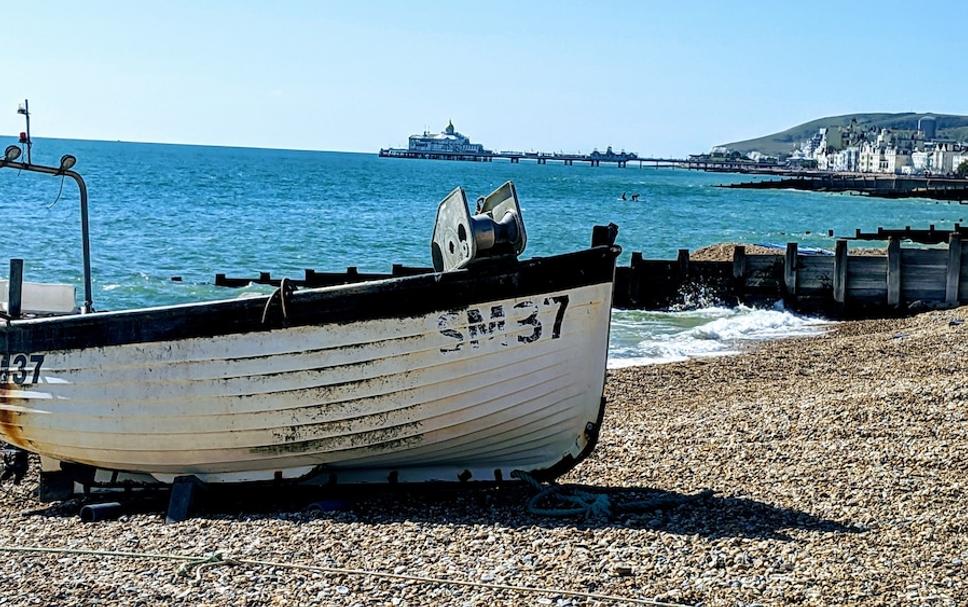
(646, 337)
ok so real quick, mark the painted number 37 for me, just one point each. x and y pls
(495, 326)
(18, 368)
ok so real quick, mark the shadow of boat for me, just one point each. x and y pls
(704, 514)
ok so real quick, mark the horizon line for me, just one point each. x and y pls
(198, 145)
(201, 145)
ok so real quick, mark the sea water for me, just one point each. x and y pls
(641, 337)
(159, 211)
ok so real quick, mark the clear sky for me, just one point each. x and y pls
(664, 77)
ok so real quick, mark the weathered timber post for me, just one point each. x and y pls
(635, 279)
(953, 279)
(682, 262)
(894, 271)
(840, 272)
(15, 288)
(739, 271)
(739, 262)
(682, 269)
(790, 270)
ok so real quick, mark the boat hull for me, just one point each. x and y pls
(469, 376)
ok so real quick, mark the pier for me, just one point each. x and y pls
(621, 160)
(594, 159)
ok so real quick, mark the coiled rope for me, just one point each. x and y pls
(577, 502)
(196, 564)
(591, 505)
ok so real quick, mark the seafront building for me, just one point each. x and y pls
(852, 149)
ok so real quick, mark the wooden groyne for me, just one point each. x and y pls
(838, 285)
(929, 236)
(882, 186)
(313, 280)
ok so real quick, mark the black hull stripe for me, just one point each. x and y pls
(397, 298)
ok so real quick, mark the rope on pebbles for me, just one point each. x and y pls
(590, 505)
(195, 564)
(577, 502)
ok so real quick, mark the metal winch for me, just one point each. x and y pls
(496, 229)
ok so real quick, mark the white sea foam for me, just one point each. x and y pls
(643, 338)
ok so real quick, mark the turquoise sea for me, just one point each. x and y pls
(159, 211)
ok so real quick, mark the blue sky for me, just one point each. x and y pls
(651, 77)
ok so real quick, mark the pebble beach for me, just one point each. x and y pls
(824, 470)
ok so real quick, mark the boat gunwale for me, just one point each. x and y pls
(400, 297)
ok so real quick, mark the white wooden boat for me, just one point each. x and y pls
(460, 375)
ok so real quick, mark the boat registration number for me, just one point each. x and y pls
(525, 314)
(18, 368)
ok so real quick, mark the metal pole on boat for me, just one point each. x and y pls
(88, 306)
(66, 164)
(24, 110)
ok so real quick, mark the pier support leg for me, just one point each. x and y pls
(894, 271)
(790, 270)
(953, 280)
(840, 272)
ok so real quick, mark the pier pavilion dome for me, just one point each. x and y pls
(450, 141)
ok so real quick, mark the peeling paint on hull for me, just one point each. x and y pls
(479, 390)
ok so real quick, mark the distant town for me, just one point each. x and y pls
(858, 149)
(853, 148)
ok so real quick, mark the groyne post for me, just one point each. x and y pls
(790, 269)
(739, 272)
(894, 271)
(739, 262)
(635, 278)
(682, 263)
(953, 278)
(15, 288)
(840, 272)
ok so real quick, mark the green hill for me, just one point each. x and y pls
(950, 126)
